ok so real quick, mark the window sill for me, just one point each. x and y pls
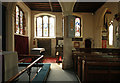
(110, 45)
(44, 37)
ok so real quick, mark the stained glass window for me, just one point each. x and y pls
(39, 26)
(17, 20)
(111, 34)
(45, 26)
(19, 29)
(21, 22)
(51, 27)
(77, 27)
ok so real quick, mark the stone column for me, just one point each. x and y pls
(67, 48)
(10, 26)
(67, 8)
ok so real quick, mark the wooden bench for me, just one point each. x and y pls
(101, 70)
(75, 61)
(102, 50)
(86, 61)
(75, 56)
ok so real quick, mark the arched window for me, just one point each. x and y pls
(77, 27)
(111, 34)
(45, 26)
(19, 21)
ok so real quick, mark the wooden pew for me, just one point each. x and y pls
(85, 58)
(93, 53)
(101, 70)
(75, 61)
(75, 56)
(102, 50)
(80, 57)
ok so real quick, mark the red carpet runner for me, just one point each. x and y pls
(45, 60)
(49, 60)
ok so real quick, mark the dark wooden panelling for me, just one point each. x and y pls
(87, 6)
(55, 6)
(44, 6)
(21, 44)
(45, 43)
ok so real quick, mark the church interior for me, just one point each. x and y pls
(47, 41)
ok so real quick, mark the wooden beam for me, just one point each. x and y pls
(41, 9)
(39, 5)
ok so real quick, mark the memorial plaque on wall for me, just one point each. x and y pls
(71, 26)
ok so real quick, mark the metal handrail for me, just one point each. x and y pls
(25, 69)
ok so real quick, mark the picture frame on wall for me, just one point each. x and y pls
(76, 44)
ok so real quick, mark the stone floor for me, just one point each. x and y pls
(57, 74)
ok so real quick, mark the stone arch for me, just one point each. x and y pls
(40, 14)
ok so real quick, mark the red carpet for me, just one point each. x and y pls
(45, 60)
(49, 60)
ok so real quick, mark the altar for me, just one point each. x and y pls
(37, 51)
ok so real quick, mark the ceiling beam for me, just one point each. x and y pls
(55, 6)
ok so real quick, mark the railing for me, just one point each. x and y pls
(25, 69)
